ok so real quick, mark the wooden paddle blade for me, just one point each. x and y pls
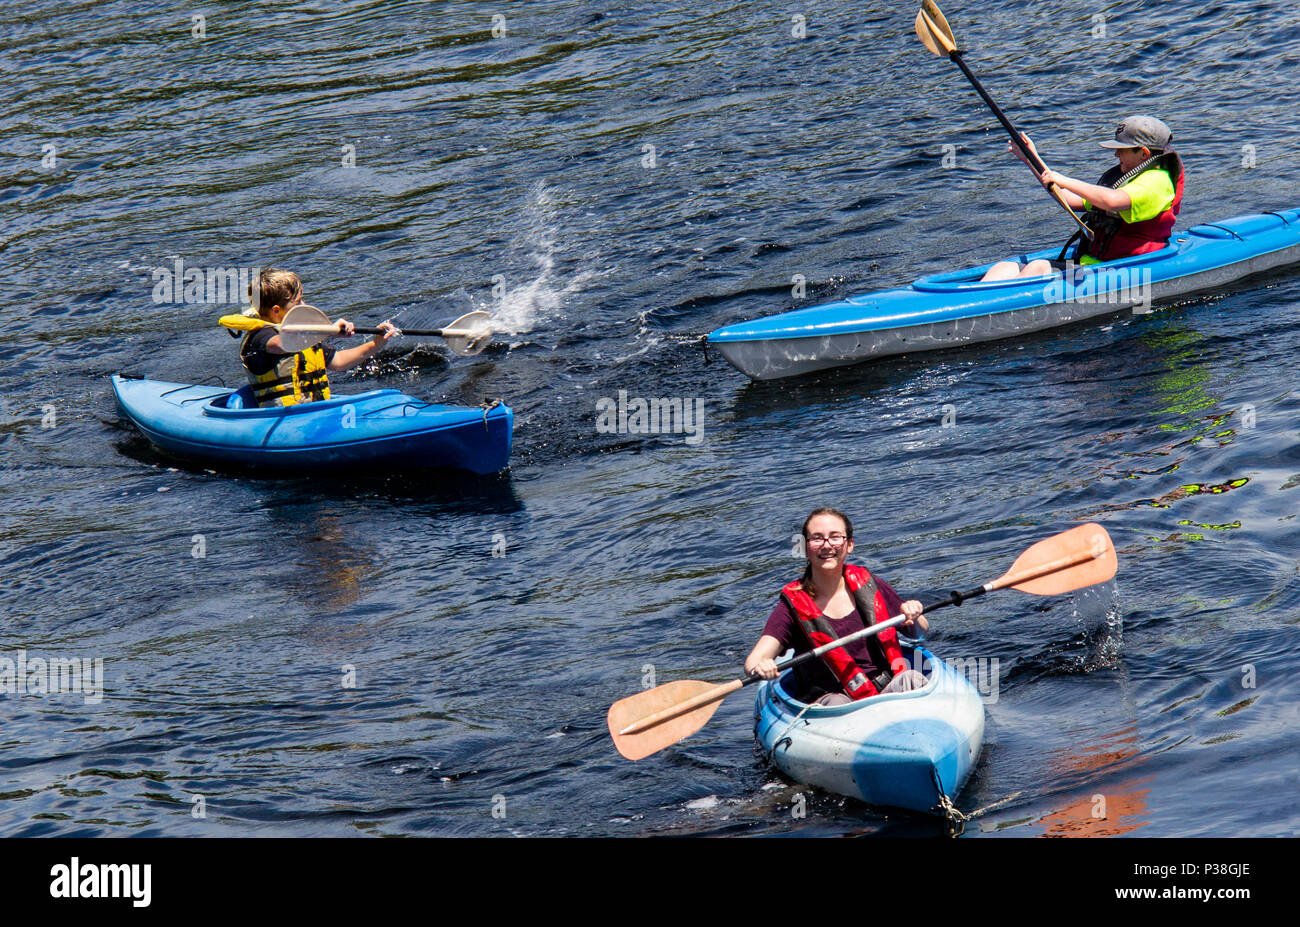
(674, 711)
(933, 30)
(1074, 559)
(469, 334)
(303, 317)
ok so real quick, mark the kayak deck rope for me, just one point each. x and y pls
(691, 338)
(957, 821)
(783, 738)
(487, 406)
(988, 808)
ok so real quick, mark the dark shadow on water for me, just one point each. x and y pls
(451, 490)
(825, 387)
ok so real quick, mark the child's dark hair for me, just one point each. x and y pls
(806, 581)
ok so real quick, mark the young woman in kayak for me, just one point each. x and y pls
(281, 378)
(828, 602)
(1130, 210)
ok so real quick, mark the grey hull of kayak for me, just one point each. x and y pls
(954, 309)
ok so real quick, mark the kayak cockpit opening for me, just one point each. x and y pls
(241, 405)
(241, 398)
(970, 279)
(917, 658)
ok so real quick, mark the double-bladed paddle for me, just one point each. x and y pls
(647, 722)
(935, 34)
(302, 325)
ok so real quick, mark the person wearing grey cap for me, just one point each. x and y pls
(1130, 210)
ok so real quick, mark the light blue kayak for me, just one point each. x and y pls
(382, 428)
(955, 308)
(905, 750)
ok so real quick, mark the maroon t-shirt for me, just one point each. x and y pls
(814, 679)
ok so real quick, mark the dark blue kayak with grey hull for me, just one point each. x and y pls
(955, 308)
(382, 429)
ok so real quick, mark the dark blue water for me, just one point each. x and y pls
(348, 656)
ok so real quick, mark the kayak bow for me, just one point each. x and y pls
(905, 749)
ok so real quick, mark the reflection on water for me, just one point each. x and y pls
(1119, 810)
(330, 572)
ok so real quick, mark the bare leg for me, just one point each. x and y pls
(1037, 268)
(1002, 270)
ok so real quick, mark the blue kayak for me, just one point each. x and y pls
(380, 428)
(955, 308)
(906, 750)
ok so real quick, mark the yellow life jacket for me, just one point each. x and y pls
(295, 378)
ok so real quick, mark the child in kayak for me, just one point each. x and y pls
(1130, 210)
(828, 602)
(281, 378)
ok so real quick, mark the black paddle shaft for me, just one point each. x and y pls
(997, 111)
(953, 598)
(435, 332)
(1037, 162)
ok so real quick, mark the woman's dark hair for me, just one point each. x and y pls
(806, 581)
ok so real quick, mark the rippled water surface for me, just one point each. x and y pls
(610, 180)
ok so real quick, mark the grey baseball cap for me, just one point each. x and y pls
(1141, 132)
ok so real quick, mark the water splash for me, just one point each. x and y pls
(520, 307)
(708, 803)
(1101, 624)
(1110, 639)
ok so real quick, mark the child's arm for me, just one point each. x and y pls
(911, 608)
(349, 358)
(762, 659)
(1077, 191)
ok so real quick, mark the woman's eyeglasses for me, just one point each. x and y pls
(821, 540)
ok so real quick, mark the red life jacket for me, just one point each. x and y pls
(818, 630)
(1114, 238)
